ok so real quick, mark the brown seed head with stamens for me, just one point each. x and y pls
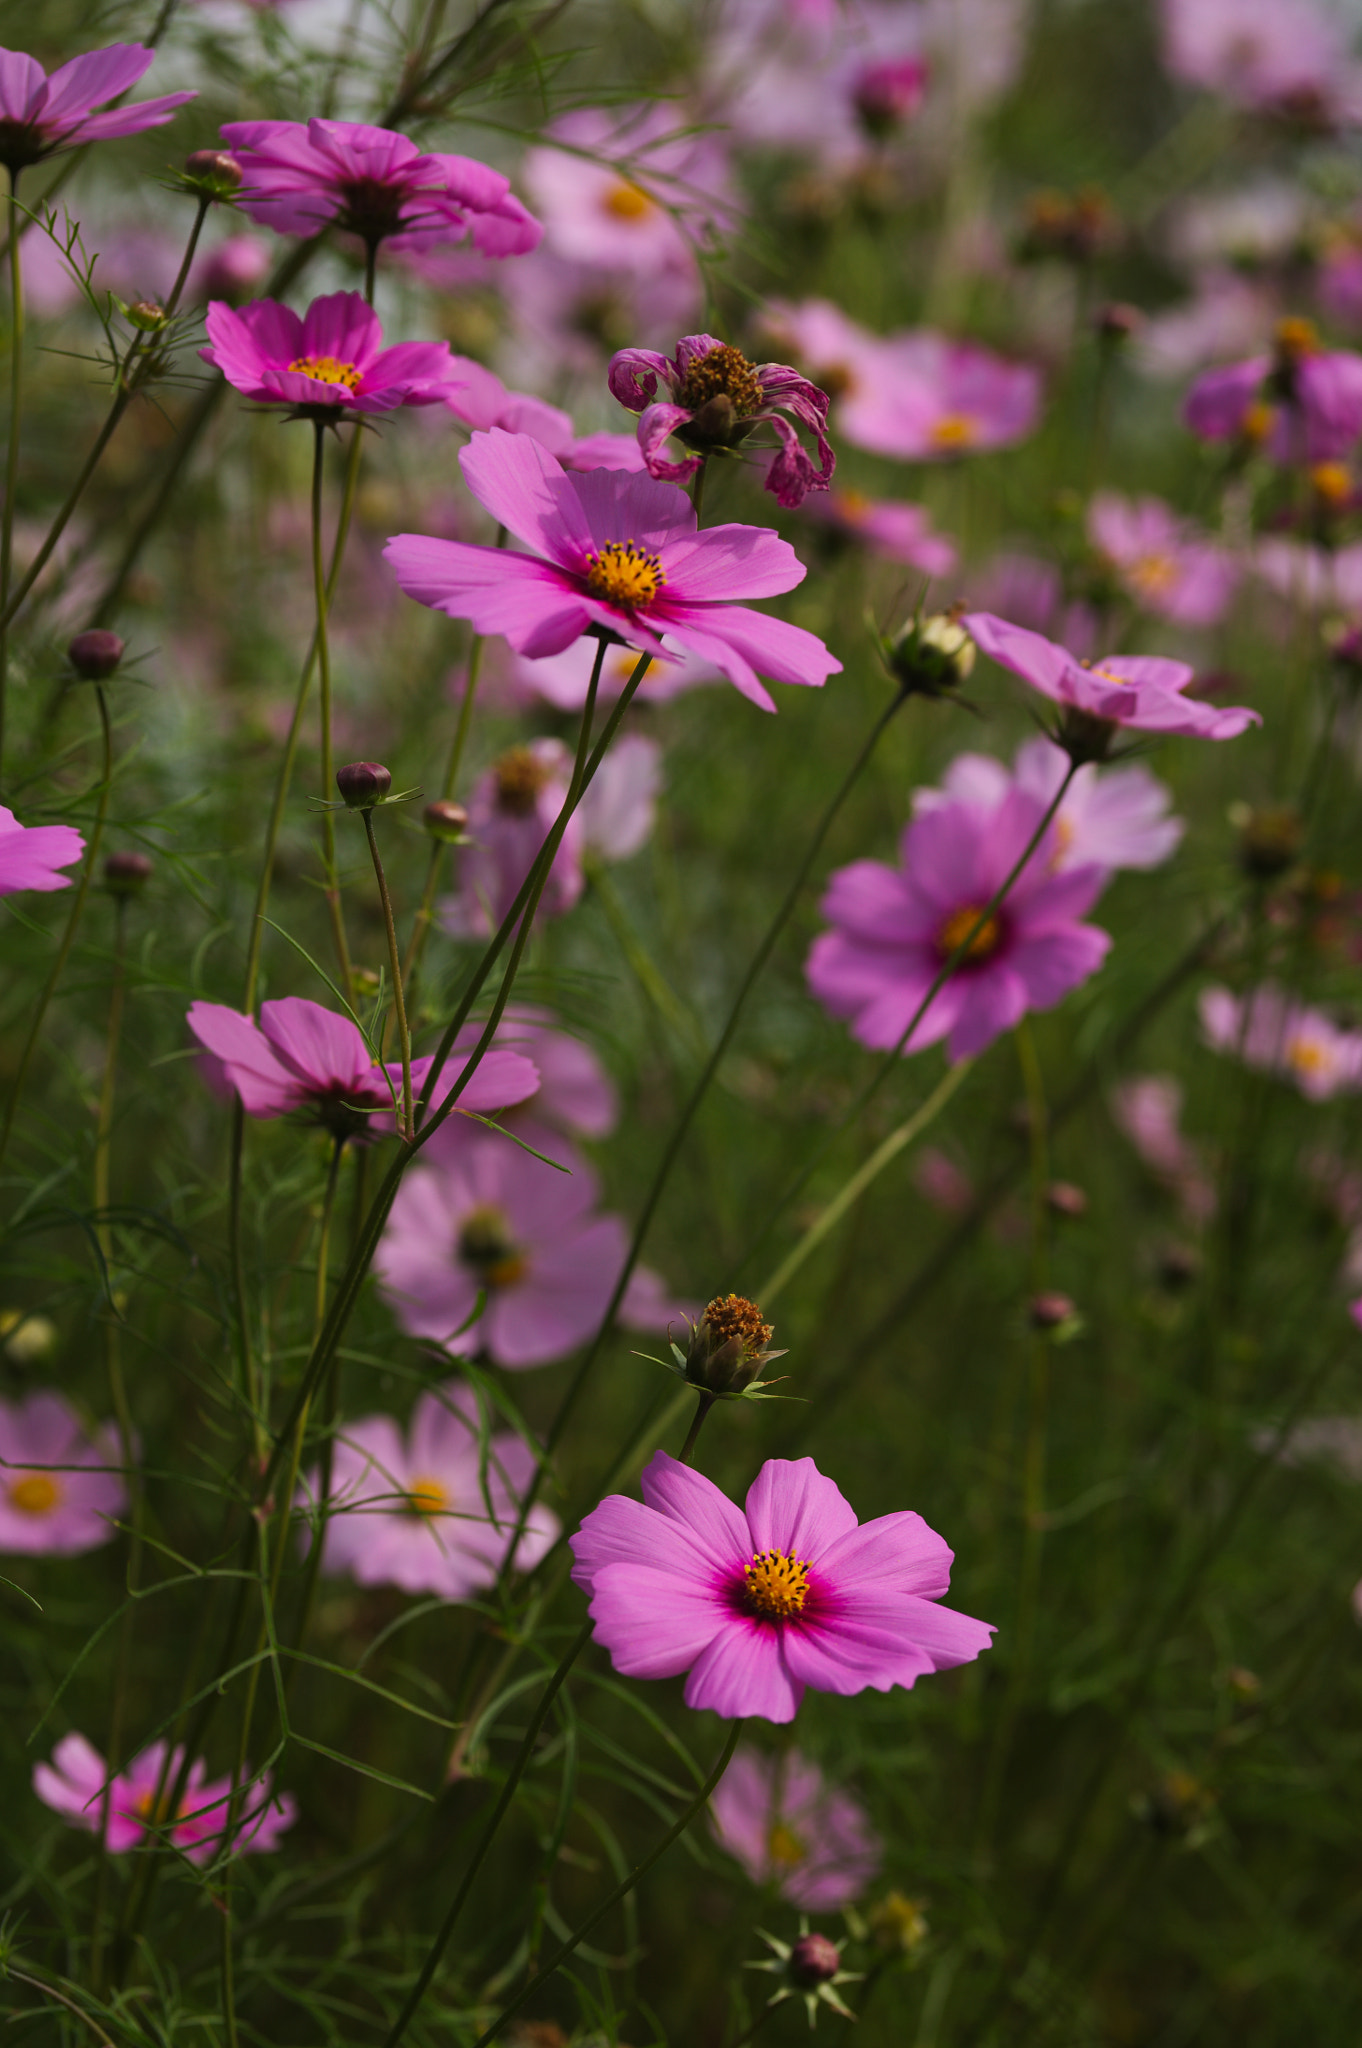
(724, 373)
(521, 775)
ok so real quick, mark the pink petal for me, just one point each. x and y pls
(898, 1551)
(715, 1528)
(524, 488)
(743, 1673)
(791, 1506)
(653, 1624)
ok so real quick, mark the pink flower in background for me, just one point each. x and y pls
(77, 1785)
(1273, 1031)
(302, 1056)
(331, 358)
(928, 399)
(1147, 1109)
(511, 811)
(887, 92)
(895, 928)
(1031, 592)
(32, 856)
(1275, 56)
(231, 269)
(562, 679)
(618, 551)
(568, 317)
(1226, 315)
(758, 1603)
(1141, 691)
(1109, 817)
(1300, 404)
(303, 176)
(715, 398)
(942, 1181)
(1339, 279)
(618, 809)
(842, 358)
(896, 531)
(575, 1092)
(60, 1488)
(627, 192)
(1167, 570)
(41, 115)
(790, 1829)
(1311, 576)
(488, 1218)
(479, 399)
(422, 1508)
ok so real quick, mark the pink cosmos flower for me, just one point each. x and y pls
(1031, 593)
(301, 176)
(60, 1489)
(1226, 316)
(480, 1216)
(1141, 691)
(843, 358)
(332, 358)
(562, 679)
(1147, 1109)
(1277, 56)
(929, 399)
(1109, 817)
(618, 810)
(716, 399)
(791, 1830)
(758, 1603)
(1311, 577)
(1167, 570)
(423, 1508)
(617, 551)
(626, 192)
(575, 1092)
(31, 856)
(1274, 1032)
(76, 1784)
(1302, 403)
(479, 399)
(896, 927)
(896, 531)
(302, 1056)
(41, 115)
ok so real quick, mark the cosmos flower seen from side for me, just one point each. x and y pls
(40, 115)
(790, 1829)
(32, 856)
(74, 1785)
(756, 1603)
(327, 361)
(1277, 1033)
(61, 1492)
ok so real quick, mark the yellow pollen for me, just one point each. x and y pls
(327, 370)
(1258, 421)
(624, 574)
(427, 1497)
(37, 1493)
(853, 506)
(776, 1585)
(1331, 481)
(1307, 1056)
(957, 927)
(626, 202)
(784, 1847)
(1153, 574)
(955, 430)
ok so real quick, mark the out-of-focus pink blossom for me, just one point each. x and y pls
(1226, 316)
(1273, 56)
(1031, 592)
(940, 1180)
(1109, 817)
(788, 1828)
(575, 1092)
(329, 360)
(60, 1490)
(1316, 578)
(927, 398)
(77, 1785)
(480, 400)
(1339, 280)
(32, 856)
(41, 115)
(563, 679)
(1168, 570)
(1322, 1440)
(841, 357)
(231, 269)
(625, 191)
(1300, 404)
(1147, 1109)
(618, 809)
(511, 812)
(1275, 1032)
(897, 531)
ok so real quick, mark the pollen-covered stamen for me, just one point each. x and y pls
(520, 776)
(427, 1497)
(732, 1315)
(955, 430)
(487, 1246)
(958, 930)
(328, 370)
(724, 373)
(775, 1585)
(785, 1848)
(625, 574)
(37, 1493)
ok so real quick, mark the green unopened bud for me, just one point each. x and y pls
(445, 821)
(728, 1346)
(931, 656)
(146, 315)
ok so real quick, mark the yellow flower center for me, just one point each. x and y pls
(955, 430)
(956, 929)
(623, 574)
(327, 370)
(148, 1807)
(784, 1847)
(1308, 1056)
(776, 1585)
(1331, 481)
(1153, 574)
(626, 202)
(1258, 420)
(37, 1493)
(427, 1497)
(486, 1244)
(853, 506)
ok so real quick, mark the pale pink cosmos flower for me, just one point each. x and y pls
(842, 358)
(1031, 592)
(302, 1056)
(788, 1828)
(61, 1491)
(613, 550)
(32, 856)
(1144, 692)
(715, 398)
(1302, 403)
(478, 1215)
(1275, 1032)
(40, 115)
(1274, 56)
(77, 1785)
(1168, 570)
(302, 176)
(431, 1508)
(575, 1092)
(890, 528)
(1147, 1109)
(1226, 316)
(1108, 818)
(929, 399)
(894, 929)
(566, 317)
(618, 810)
(329, 360)
(756, 1603)
(1309, 576)
(562, 679)
(627, 191)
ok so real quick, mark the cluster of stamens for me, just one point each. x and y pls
(520, 776)
(732, 1315)
(625, 574)
(486, 1245)
(960, 927)
(37, 1493)
(426, 1497)
(725, 372)
(328, 370)
(775, 1585)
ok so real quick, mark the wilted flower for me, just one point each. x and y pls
(41, 115)
(1277, 1033)
(32, 856)
(77, 1785)
(60, 1488)
(793, 1831)
(329, 361)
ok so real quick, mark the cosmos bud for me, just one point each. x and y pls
(930, 656)
(814, 1959)
(127, 874)
(445, 821)
(214, 173)
(363, 784)
(146, 315)
(1064, 1199)
(728, 1346)
(95, 655)
(1050, 1311)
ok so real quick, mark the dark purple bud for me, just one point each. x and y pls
(363, 784)
(127, 874)
(814, 1960)
(1066, 1200)
(1049, 1311)
(216, 172)
(95, 655)
(445, 821)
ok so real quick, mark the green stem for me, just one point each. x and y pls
(702, 1408)
(333, 894)
(697, 489)
(16, 394)
(406, 1128)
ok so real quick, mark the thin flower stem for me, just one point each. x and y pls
(407, 1128)
(333, 894)
(425, 915)
(250, 1383)
(16, 395)
(73, 918)
(186, 261)
(702, 1408)
(621, 1891)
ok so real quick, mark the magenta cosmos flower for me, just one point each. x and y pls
(1302, 403)
(893, 529)
(423, 1508)
(479, 1215)
(716, 399)
(1278, 1034)
(32, 856)
(76, 1784)
(1144, 692)
(301, 1056)
(758, 1602)
(791, 1830)
(1108, 817)
(895, 929)
(330, 360)
(60, 1489)
(928, 398)
(40, 115)
(302, 176)
(1169, 571)
(617, 551)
